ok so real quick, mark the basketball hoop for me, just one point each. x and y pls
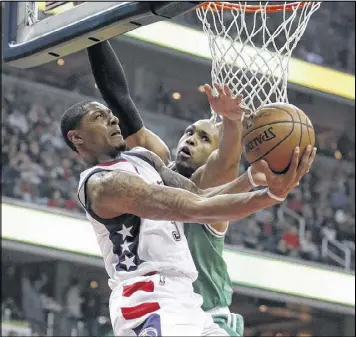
(251, 45)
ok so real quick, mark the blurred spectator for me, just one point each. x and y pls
(290, 243)
(91, 308)
(309, 249)
(11, 299)
(72, 303)
(329, 231)
(32, 304)
(252, 232)
(295, 201)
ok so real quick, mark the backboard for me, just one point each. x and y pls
(35, 33)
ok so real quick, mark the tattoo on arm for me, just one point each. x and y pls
(174, 179)
(169, 177)
(116, 192)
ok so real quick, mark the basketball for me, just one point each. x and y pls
(273, 132)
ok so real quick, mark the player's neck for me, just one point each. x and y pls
(184, 171)
(91, 161)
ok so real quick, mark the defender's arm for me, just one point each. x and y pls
(222, 165)
(111, 81)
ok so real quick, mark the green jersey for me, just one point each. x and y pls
(213, 283)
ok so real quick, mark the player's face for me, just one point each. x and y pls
(195, 146)
(100, 132)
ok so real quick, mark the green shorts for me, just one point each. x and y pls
(233, 324)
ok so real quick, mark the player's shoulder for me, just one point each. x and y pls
(155, 160)
(139, 150)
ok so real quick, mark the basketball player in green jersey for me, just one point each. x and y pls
(207, 153)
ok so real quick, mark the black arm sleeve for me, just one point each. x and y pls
(111, 81)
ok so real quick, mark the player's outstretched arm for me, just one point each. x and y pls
(222, 165)
(113, 193)
(111, 81)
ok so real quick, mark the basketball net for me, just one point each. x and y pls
(251, 50)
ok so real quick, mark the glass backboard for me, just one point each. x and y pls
(39, 32)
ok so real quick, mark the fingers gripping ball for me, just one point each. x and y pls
(273, 132)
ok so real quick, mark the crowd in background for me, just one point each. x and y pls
(30, 297)
(39, 168)
(324, 200)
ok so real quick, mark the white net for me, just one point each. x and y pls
(251, 47)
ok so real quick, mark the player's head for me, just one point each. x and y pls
(91, 129)
(196, 145)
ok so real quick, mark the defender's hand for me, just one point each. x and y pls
(224, 104)
(281, 184)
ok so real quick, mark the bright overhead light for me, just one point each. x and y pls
(93, 284)
(262, 308)
(176, 95)
(337, 155)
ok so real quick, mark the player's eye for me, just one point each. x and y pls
(189, 132)
(97, 116)
(205, 138)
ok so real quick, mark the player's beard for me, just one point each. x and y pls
(184, 170)
(115, 151)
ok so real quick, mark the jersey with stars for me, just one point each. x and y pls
(124, 234)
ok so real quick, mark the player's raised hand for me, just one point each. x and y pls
(281, 184)
(224, 104)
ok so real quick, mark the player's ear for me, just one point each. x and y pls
(75, 137)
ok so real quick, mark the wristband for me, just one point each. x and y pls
(271, 195)
(249, 174)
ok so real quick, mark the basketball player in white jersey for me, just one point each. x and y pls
(136, 206)
(208, 154)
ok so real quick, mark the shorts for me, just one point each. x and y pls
(159, 305)
(233, 324)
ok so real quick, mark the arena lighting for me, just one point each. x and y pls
(263, 308)
(201, 88)
(176, 95)
(60, 62)
(93, 284)
(337, 155)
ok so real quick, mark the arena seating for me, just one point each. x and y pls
(38, 168)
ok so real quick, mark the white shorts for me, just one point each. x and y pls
(159, 305)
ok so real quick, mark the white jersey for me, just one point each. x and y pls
(133, 246)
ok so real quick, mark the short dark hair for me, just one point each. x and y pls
(71, 119)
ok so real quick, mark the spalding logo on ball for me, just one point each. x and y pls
(265, 136)
(273, 132)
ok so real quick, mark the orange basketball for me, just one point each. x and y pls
(273, 132)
